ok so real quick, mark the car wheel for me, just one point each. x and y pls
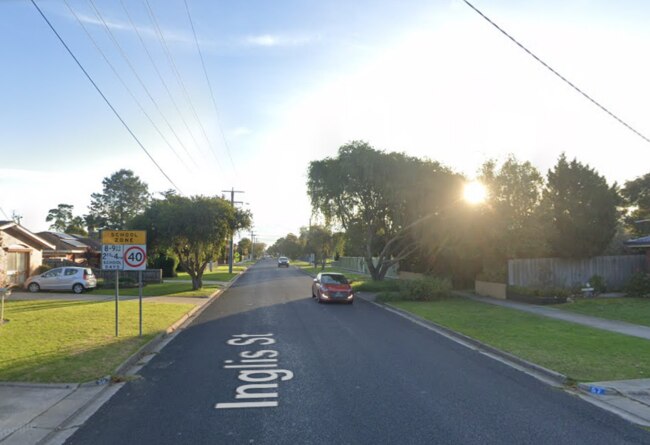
(33, 287)
(77, 288)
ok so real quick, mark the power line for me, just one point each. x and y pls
(179, 78)
(162, 80)
(530, 53)
(137, 76)
(103, 96)
(126, 87)
(207, 78)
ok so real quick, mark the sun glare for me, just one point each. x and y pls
(475, 193)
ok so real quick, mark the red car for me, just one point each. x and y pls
(332, 287)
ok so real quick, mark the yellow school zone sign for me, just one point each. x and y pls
(124, 237)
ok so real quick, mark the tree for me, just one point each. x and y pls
(384, 197)
(289, 246)
(244, 247)
(581, 210)
(258, 249)
(123, 197)
(319, 241)
(637, 197)
(63, 221)
(195, 229)
(512, 224)
(60, 217)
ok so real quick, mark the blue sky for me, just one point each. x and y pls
(294, 80)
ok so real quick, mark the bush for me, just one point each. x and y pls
(598, 283)
(425, 289)
(493, 274)
(639, 285)
(125, 283)
(534, 295)
(376, 286)
(41, 269)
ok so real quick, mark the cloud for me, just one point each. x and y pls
(240, 131)
(171, 36)
(269, 40)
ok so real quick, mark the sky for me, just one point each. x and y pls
(288, 82)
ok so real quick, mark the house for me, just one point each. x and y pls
(641, 243)
(70, 248)
(21, 251)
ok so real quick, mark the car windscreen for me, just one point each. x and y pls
(333, 279)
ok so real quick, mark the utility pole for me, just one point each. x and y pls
(232, 192)
(252, 245)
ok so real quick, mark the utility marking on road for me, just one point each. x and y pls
(258, 369)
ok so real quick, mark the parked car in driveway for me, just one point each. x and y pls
(332, 287)
(75, 279)
(283, 261)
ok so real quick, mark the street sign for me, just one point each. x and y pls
(135, 257)
(124, 237)
(124, 250)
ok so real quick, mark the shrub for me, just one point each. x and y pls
(41, 269)
(493, 274)
(598, 283)
(639, 285)
(425, 289)
(125, 282)
(376, 286)
(539, 291)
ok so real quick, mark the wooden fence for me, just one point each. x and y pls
(148, 276)
(566, 273)
(358, 264)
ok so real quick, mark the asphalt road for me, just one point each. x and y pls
(334, 374)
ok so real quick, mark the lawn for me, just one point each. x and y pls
(74, 341)
(631, 310)
(579, 352)
(308, 267)
(219, 273)
(168, 289)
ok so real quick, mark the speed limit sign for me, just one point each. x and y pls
(135, 257)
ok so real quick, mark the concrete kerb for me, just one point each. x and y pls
(130, 366)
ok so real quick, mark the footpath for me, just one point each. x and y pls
(629, 399)
(33, 413)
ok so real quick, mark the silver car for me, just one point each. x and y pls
(76, 279)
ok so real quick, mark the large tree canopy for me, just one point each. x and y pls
(123, 197)
(513, 222)
(63, 221)
(384, 197)
(195, 229)
(581, 210)
(637, 196)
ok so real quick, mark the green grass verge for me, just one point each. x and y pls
(167, 289)
(220, 273)
(74, 341)
(631, 310)
(579, 352)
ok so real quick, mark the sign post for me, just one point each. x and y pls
(124, 250)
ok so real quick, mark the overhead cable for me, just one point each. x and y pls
(179, 78)
(530, 53)
(126, 58)
(104, 97)
(126, 87)
(207, 79)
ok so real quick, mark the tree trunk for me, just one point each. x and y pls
(197, 283)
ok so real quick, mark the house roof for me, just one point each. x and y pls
(18, 231)
(639, 242)
(65, 242)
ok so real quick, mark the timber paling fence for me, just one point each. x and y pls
(148, 276)
(566, 273)
(358, 264)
